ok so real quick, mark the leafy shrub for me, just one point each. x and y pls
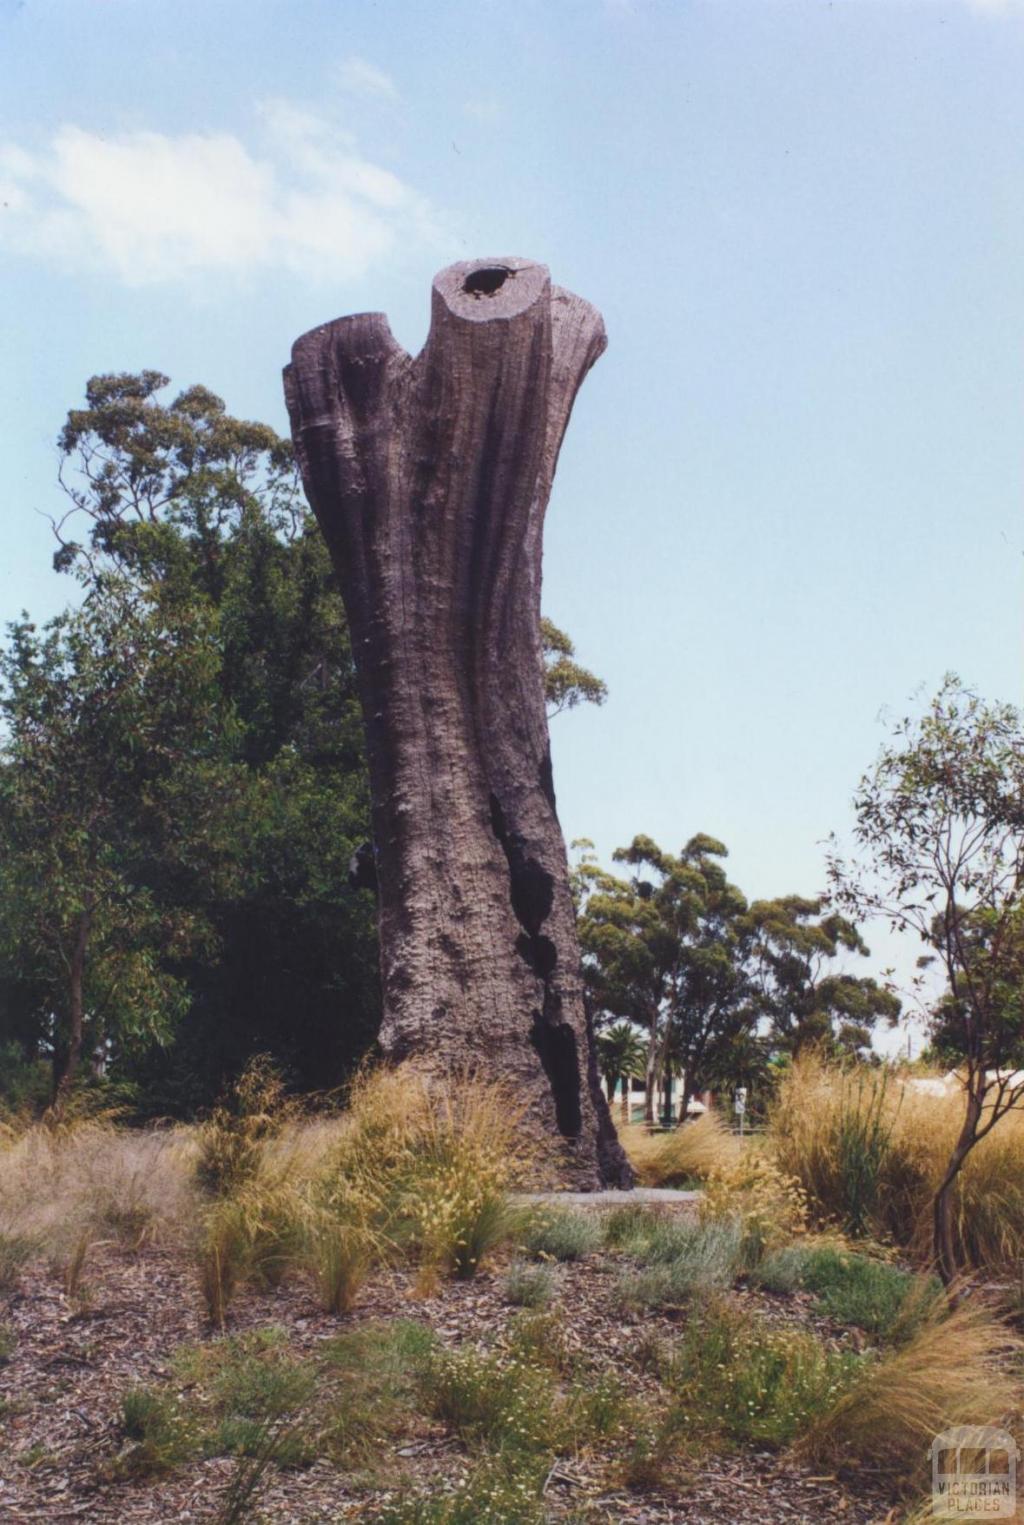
(704, 1258)
(600, 1407)
(538, 1339)
(500, 1491)
(529, 1286)
(561, 1234)
(953, 1371)
(735, 1375)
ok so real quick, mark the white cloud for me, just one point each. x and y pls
(363, 78)
(154, 207)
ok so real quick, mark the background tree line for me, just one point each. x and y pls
(182, 784)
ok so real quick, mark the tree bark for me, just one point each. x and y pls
(943, 1247)
(430, 479)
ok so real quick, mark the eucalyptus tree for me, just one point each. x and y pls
(939, 854)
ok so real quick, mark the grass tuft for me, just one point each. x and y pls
(954, 1371)
(529, 1286)
(561, 1234)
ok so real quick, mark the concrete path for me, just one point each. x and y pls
(663, 1196)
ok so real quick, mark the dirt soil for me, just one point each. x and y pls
(61, 1386)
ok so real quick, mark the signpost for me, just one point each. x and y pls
(739, 1105)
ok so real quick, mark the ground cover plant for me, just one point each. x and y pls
(309, 1310)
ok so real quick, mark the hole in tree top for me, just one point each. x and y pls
(485, 282)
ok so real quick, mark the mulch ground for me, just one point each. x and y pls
(61, 1388)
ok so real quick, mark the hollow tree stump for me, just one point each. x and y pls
(430, 478)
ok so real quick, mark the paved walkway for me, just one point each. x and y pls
(663, 1195)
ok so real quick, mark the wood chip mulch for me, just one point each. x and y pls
(61, 1387)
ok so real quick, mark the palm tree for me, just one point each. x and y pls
(621, 1054)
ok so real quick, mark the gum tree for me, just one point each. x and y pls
(939, 853)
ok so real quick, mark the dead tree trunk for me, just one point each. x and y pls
(430, 478)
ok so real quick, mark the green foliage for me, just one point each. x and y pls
(735, 1375)
(184, 780)
(380, 1368)
(684, 1262)
(561, 1234)
(852, 1289)
(676, 950)
(529, 1286)
(493, 1400)
(157, 1430)
(566, 683)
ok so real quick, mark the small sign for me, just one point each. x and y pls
(740, 1100)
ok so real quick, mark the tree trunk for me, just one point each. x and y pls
(430, 478)
(943, 1248)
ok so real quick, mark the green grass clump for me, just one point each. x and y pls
(529, 1286)
(500, 1491)
(625, 1225)
(8, 1341)
(734, 1375)
(561, 1234)
(684, 1261)
(158, 1432)
(492, 1400)
(882, 1299)
(248, 1391)
(375, 1373)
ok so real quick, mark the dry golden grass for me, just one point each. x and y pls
(94, 1179)
(956, 1370)
(869, 1151)
(692, 1152)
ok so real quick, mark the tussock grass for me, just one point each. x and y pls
(869, 1152)
(529, 1286)
(15, 1251)
(955, 1370)
(90, 1177)
(690, 1153)
(686, 1261)
(561, 1234)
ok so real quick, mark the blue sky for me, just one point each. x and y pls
(791, 492)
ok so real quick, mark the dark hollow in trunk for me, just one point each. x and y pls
(430, 478)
